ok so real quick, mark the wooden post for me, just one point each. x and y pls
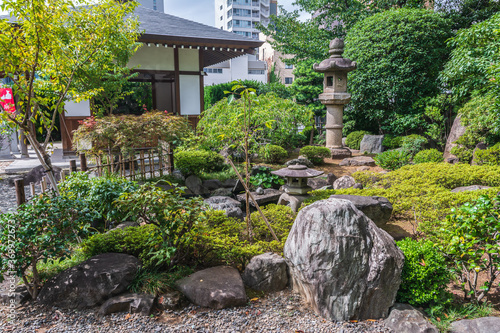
(44, 184)
(160, 161)
(83, 162)
(63, 175)
(32, 189)
(151, 164)
(143, 167)
(170, 154)
(72, 166)
(20, 196)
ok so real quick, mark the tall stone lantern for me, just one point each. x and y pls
(335, 95)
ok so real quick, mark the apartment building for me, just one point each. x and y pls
(242, 16)
(153, 4)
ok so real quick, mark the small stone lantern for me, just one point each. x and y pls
(335, 95)
(296, 178)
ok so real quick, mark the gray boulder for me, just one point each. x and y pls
(358, 161)
(377, 209)
(212, 184)
(317, 183)
(456, 131)
(131, 303)
(91, 282)
(222, 192)
(231, 207)
(270, 196)
(19, 296)
(371, 144)
(300, 161)
(470, 188)
(229, 183)
(343, 265)
(195, 185)
(124, 225)
(36, 174)
(171, 300)
(404, 318)
(266, 272)
(238, 187)
(331, 178)
(217, 288)
(479, 325)
(343, 182)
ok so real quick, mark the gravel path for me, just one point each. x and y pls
(276, 312)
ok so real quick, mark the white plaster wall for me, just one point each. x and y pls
(189, 59)
(155, 58)
(190, 94)
(74, 109)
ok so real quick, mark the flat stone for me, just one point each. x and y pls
(217, 288)
(470, 188)
(479, 325)
(230, 206)
(340, 153)
(131, 303)
(358, 161)
(266, 272)
(406, 319)
(91, 282)
(222, 192)
(270, 196)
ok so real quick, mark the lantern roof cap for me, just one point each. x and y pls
(336, 62)
(297, 171)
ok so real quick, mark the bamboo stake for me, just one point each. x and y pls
(44, 184)
(253, 199)
(32, 189)
(143, 167)
(63, 175)
(20, 196)
(151, 165)
(160, 161)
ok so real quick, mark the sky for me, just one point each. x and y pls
(203, 11)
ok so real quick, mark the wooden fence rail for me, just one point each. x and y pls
(142, 164)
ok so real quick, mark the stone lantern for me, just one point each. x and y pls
(296, 178)
(335, 95)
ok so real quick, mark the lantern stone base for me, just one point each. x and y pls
(292, 201)
(340, 153)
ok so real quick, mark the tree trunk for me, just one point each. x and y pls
(44, 159)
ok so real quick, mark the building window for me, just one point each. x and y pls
(288, 80)
(256, 71)
(220, 8)
(288, 66)
(230, 13)
(221, 18)
(230, 24)
(255, 35)
(243, 33)
(242, 12)
(213, 70)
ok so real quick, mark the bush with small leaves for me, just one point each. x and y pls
(391, 142)
(197, 161)
(272, 153)
(490, 156)
(40, 230)
(428, 155)
(315, 154)
(353, 139)
(413, 143)
(425, 275)
(393, 159)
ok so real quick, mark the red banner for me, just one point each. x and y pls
(7, 100)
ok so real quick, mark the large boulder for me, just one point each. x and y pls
(456, 131)
(266, 272)
(317, 183)
(195, 185)
(217, 288)
(231, 207)
(300, 161)
(404, 318)
(378, 209)
(344, 182)
(344, 266)
(91, 282)
(36, 174)
(479, 325)
(212, 184)
(131, 303)
(371, 144)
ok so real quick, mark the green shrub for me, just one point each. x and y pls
(421, 192)
(490, 156)
(425, 275)
(353, 140)
(197, 161)
(281, 219)
(463, 154)
(413, 143)
(315, 154)
(393, 159)
(136, 241)
(174, 216)
(99, 193)
(272, 153)
(428, 155)
(392, 142)
(42, 229)
(470, 237)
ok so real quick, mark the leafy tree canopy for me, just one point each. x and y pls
(399, 54)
